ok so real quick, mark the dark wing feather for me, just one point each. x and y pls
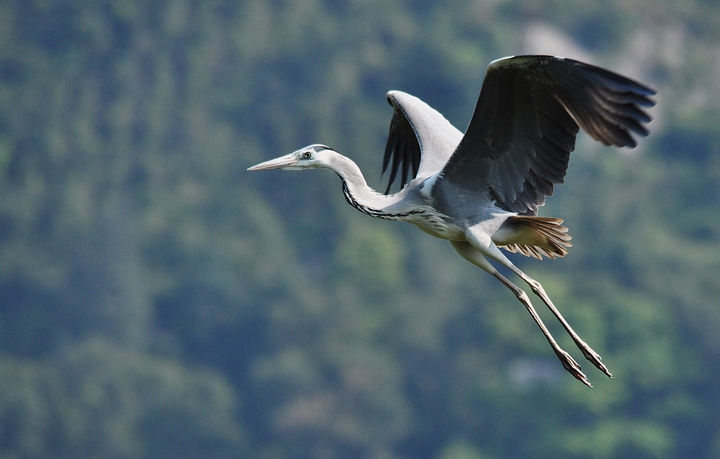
(402, 149)
(420, 140)
(518, 144)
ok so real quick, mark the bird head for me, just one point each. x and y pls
(312, 156)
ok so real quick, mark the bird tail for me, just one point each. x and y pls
(534, 236)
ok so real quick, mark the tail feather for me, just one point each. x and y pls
(534, 236)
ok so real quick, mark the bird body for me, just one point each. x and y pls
(481, 190)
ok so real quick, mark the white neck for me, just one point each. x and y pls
(357, 192)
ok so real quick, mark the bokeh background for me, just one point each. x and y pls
(158, 301)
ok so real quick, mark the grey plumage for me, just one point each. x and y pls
(481, 190)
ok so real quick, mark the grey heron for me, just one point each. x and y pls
(481, 190)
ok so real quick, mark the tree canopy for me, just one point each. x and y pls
(158, 301)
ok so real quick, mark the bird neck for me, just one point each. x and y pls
(356, 190)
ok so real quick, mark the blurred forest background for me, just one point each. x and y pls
(158, 301)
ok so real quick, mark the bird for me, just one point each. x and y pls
(481, 189)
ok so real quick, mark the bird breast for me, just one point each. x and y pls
(433, 222)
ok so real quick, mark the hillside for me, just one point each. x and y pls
(156, 300)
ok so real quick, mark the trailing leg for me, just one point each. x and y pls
(538, 290)
(476, 257)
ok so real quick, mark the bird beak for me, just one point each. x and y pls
(277, 163)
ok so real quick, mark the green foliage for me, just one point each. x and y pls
(98, 400)
(156, 300)
(371, 257)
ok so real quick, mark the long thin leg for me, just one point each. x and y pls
(538, 289)
(476, 257)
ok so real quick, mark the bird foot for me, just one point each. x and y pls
(572, 366)
(595, 358)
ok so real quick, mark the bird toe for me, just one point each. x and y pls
(572, 367)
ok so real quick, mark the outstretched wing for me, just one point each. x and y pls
(420, 140)
(517, 146)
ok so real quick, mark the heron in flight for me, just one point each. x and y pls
(481, 190)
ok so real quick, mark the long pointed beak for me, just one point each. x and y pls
(277, 163)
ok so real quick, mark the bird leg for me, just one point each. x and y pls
(538, 289)
(566, 359)
(476, 257)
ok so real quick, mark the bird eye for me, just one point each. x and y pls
(306, 155)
